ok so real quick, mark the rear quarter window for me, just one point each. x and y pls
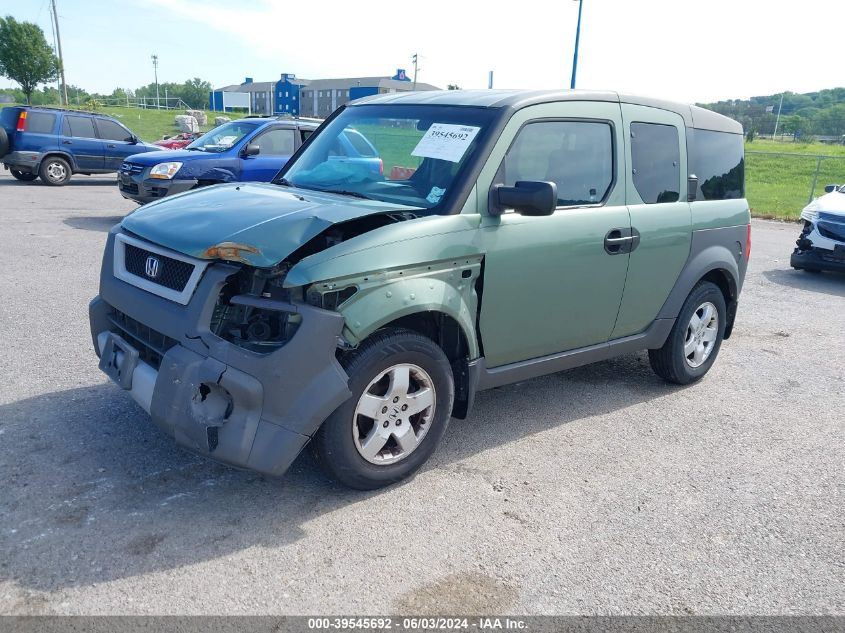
(40, 122)
(717, 159)
(9, 118)
(656, 162)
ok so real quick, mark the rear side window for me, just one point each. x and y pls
(79, 127)
(656, 162)
(111, 131)
(717, 158)
(40, 122)
(9, 118)
(276, 142)
(576, 155)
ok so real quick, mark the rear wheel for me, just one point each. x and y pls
(695, 339)
(402, 394)
(25, 176)
(55, 171)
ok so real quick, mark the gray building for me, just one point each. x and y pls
(312, 97)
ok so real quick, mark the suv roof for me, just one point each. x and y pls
(694, 116)
(54, 109)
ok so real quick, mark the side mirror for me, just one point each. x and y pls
(527, 197)
(830, 188)
(134, 140)
(253, 149)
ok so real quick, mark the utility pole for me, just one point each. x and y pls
(414, 57)
(577, 38)
(155, 70)
(777, 120)
(59, 45)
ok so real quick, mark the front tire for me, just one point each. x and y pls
(402, 394)
(55, 171)
(693, 344)
(24, 176)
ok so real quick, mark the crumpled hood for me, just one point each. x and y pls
(833, 203)
(266, 223)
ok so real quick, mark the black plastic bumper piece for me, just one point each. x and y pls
(142, 190)
(817, 259)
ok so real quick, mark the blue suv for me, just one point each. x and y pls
(55, 144)
(246, 150)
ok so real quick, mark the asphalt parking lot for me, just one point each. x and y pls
(599, 490)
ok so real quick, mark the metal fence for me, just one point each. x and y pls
(780, 184)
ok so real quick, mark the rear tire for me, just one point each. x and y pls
(695, 339)
(55, 171)
(4, 142)
(402, 395)
(24, 176)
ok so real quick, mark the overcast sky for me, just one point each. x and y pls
(687, 50)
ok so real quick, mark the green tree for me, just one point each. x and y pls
(25, 56)
(791, 124)
(195, 93)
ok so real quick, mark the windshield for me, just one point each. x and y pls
(409, 155)
(222, 138)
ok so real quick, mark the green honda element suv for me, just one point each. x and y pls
(505, 235)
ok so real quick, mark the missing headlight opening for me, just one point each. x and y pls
(249, 311)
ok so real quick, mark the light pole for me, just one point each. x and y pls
(155, 70)
(577, 38)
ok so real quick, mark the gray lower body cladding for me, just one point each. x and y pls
(245, 409)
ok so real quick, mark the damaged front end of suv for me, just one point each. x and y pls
(821, 244)
(227, 313)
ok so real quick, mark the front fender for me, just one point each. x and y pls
(445, 287)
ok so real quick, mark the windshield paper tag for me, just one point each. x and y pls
(445, 141)
(435, 194)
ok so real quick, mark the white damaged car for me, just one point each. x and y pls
(821, 245)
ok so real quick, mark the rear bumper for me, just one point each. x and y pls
(27, 162)
(254, 411)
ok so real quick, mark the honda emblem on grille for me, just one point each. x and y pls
(151, 267)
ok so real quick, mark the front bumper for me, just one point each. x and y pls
(821, 245)
(245, 409)
(137, 187)
(818, 259)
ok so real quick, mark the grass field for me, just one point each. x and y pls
(151, 125)
(779, 176)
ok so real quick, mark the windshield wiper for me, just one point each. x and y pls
(284, 182)
(195, 149)
(343, 192)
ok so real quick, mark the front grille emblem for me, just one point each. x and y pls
(151, 267)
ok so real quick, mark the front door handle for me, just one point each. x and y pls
(111, 145)
(68, 142)
(622, 240)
